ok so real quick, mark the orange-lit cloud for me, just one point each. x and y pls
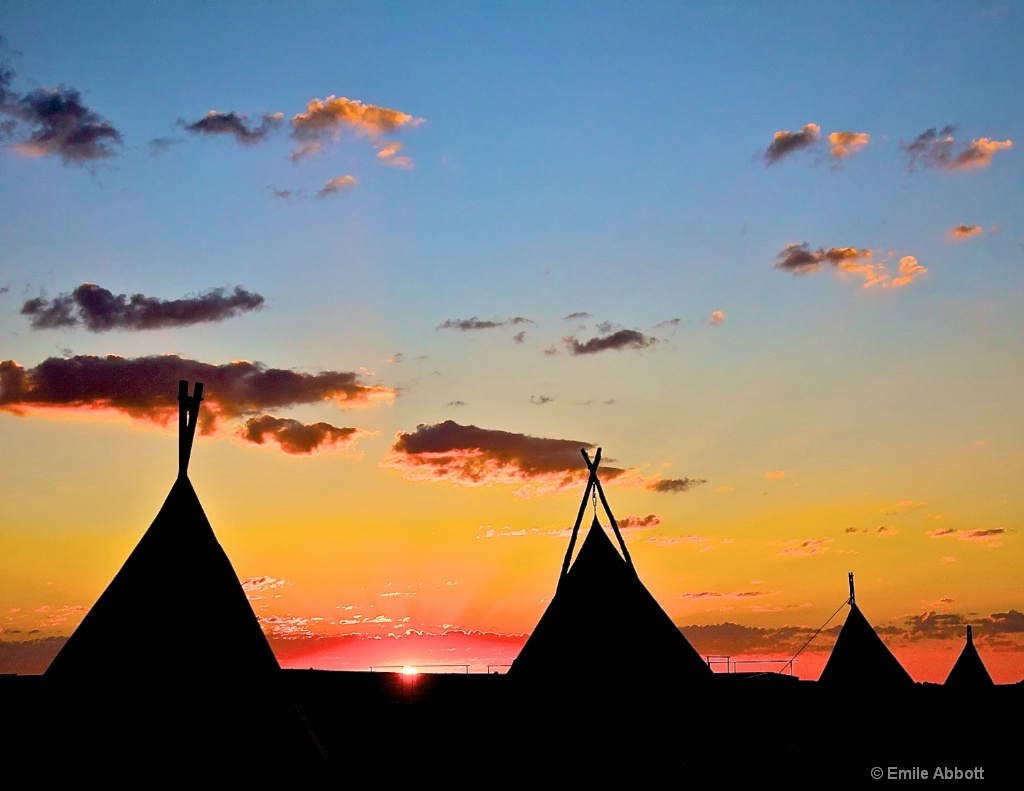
(388, 155)
(472, 456)
(810, 546)
(774, 474)
(98, 310)
(902, 505)
(845, 144)
(909, 269)
(716, 318)
(328, 117)
(960, 232)
(801, 260)
(146, 387)
(299, 439)
(939, 149)
(990, 535)
(336, 185)
(786, 143)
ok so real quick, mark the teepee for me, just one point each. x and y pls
(969, 672)
(176, 608)
(860, 659)
(602, 621)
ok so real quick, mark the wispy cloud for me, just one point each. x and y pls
(580, 316)
(990, 536)
(233, 125)
(295, 438)
(939, 149)
(960, 232)
(99, 310)
(466, 325)
(336, 185)
(146, 387)
(622, 339)
(786, 143)
(471, 456)
(845, 144)
(388, 155)
(805, 547)
(879, 531)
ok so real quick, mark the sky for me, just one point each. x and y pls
(766, 257)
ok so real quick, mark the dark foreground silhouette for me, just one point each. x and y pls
(169, 680)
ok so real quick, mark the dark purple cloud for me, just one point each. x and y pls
(623, 339)
(786, 143)
(99, 310)
(54, 122)
(296, 438)
(237, 126)
(146, 387)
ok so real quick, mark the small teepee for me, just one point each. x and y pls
(176, 607)
(860, 659)
(602, 621)
(969, 672)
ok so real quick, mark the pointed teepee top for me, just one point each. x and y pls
(188, 413)
(602, 620)
(969, 672)
(176, 608)
(859, 658)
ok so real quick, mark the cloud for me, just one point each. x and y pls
(990, 535)
(238, 126)
(470, 456)
(158, 145)
(388, 155)
(145, 388)
(939, 149)
(738, 595)
(909, 269)
(639, 522)
(960, 232)
(328, 117)
(541, 400)
(519, 337)
(801, 260)
(98, 310)
(774, 474)
(473, 323)
(879, 531)
(623, 339)
(810, 546)
(846, 144)
(716, 318)
(580, 316)
(256, 585)
(339, 184)
(299, 439)
(725, 489)
(902, 505)
(673, 485)
(54, 122)
(786, 143)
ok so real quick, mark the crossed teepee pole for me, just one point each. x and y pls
(593, 482)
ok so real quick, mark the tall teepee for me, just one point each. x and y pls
(602, 621)
(860, 659)
(176, 608)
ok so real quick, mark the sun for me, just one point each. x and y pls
(410, 671)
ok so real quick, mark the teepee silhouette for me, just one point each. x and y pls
(176, 607)
(602, 620)
(859, 658)
(969, 672)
